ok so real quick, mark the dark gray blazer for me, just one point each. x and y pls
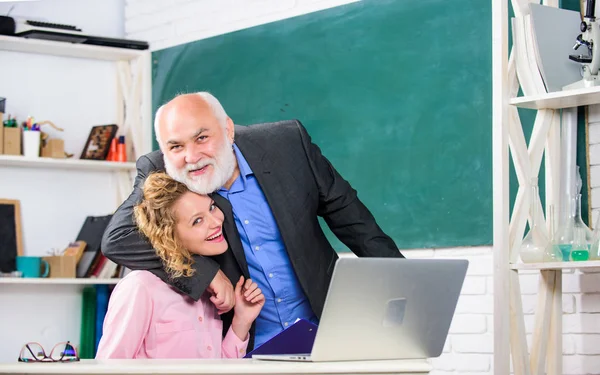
(299, 183)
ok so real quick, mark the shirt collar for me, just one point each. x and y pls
(240, 182)
(243, 165)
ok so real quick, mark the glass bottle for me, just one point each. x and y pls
(553, 253)
(580, 249)
(583, 234)
(595, 247)
(535, 243)
(573, 231)
(564, 233)
(578, 181)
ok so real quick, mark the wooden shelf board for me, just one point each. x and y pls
(560, 99)
(556, 266)
(73, 164)
(49, 47)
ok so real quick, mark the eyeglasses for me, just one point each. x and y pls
(61, 352)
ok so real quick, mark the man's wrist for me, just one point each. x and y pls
(215, 280)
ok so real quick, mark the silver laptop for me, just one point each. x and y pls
(385, 308)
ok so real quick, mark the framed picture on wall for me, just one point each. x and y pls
(98, 142)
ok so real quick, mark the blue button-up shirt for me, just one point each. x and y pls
(268, 261)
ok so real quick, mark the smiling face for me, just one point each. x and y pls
(197, 145)
(199, 225)
(178, 223)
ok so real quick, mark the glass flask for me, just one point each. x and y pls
(564, 234)
(584, 237)
(536, 242)
(553, 253)
(573, 231)
(579, 250)
(595, 247)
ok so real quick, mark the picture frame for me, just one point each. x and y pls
(11, 245)
(97, 145)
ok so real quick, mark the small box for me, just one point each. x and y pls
(12, 141)
(62, 266)
(54, 148)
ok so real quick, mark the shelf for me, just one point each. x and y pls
(556, 266)
(49, 47)
(57, 281)
(560, 99)
(69, 164)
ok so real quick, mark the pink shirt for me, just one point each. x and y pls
(146, 318)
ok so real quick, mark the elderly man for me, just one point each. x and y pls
(272, 183)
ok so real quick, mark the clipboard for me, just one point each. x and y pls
(297, 338)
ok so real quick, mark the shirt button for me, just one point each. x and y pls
(246, 222)
(209, 347)
(199, 318)
(278, 299)
(257, 248)
(270, 275)
(285, 324)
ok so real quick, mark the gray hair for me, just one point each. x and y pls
(214, 104)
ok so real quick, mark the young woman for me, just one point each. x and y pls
(146, 318)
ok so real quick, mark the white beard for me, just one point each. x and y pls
(223, 166)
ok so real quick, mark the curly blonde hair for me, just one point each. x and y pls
(155, 218)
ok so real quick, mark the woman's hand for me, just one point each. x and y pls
(249, 300)
(223, 296)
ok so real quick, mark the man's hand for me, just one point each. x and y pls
(223, 296)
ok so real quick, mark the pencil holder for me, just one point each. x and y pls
(31, 143)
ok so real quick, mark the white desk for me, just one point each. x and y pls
(218, 366)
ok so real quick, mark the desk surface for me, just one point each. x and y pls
(218, 366)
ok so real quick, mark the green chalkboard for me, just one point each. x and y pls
(397, 93)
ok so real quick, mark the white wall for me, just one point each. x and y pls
(469, 347)
(167, 23)
(75, 94)
(594, 141)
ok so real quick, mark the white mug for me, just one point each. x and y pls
(31, 143)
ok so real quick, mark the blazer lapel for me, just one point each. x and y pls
(232, 235)
(274, 192)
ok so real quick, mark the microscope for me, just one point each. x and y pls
(589, 38)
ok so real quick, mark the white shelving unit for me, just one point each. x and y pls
(544, 356)
(83, 86)
(133, 104)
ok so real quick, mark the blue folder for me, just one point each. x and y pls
(297, 338)
(102, 296)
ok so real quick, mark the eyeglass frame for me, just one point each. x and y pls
(48, 358)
